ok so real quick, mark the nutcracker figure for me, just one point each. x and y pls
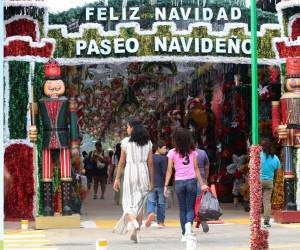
(286, 126)
(56, 112)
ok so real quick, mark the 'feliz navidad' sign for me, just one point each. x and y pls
(164, 40)
(162, 44)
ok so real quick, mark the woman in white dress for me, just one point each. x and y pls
(136, 153)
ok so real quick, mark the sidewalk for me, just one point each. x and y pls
(100, 216)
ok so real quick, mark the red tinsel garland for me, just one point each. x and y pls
(18, 203)
(22, 48)
(21, 27)
(296, 29)
(259, 237)
(287, 51)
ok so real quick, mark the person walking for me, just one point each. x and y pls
(88, 167)
(184, 159)
(136, 153)
(156, 198)
(203, 164)
(100, 170)
(116, 158)
(269, 164)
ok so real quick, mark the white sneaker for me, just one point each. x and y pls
(188, 228)
(183, 238)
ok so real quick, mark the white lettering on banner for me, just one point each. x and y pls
(161, 44)
(160, 14)
(174, 45)
(222, 14)
(207, 14)
(132, 45)
(246, 47)
(110, 14)
(206, 45)
(93, 48)
(163, 14)
(89, 12)
(101, 14)
(220, 45)
(174, 15)
(234, 45)
(106, 47)
(80, 45)
(236, 13)
(119, 46)
(178, 14)
(134, 15)
(186, 44)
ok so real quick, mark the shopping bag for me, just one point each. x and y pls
(209, 208)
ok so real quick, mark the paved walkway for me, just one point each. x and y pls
(100, 216)
(27, 240)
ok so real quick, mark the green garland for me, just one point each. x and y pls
(18, 99)
(65, 47)
(39, 79)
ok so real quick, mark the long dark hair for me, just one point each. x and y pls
(267, 147)
(183, 142)
(118, 151)
(139, 134)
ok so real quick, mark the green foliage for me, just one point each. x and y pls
(18, 99)
(39, 78)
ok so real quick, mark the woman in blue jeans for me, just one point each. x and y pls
(184, 159)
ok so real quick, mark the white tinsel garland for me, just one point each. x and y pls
(12, 142)
(173, 29)
(211, 59)
(292, 19)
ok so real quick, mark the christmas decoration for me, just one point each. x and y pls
(53, 110)
(259, 237)
(18, 160)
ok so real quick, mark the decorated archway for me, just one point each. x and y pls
(105, 34)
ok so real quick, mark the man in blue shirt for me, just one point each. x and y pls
(269, 164)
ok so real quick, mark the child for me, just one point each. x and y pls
(156, 198)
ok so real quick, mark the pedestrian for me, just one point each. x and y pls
(203, 164)
(88, 167)
(183, 158)
(100, 170)
(156, 199)
(116, 158)
(269, 164)
(136, 153)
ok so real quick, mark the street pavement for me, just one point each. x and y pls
(100, 216)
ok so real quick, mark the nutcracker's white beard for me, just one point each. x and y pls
(298, 180)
